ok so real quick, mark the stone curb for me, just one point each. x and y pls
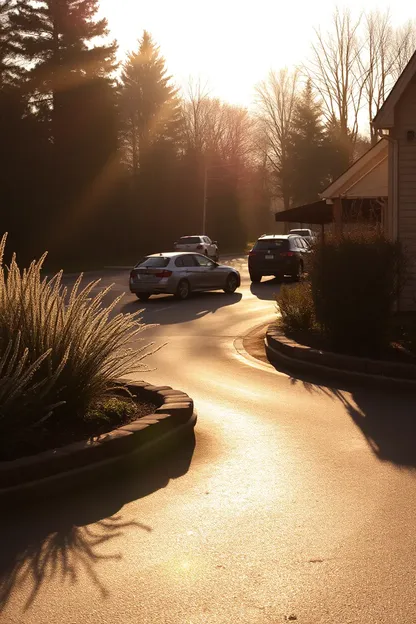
(362, 371)
(65, 466)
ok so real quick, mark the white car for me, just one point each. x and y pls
(200, 243)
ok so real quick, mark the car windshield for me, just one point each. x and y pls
(271, 243)
(153, 262)
(189, 240)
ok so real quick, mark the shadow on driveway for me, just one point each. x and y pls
(267, 289)
(387, 419)
(67, 536)
(166, 310)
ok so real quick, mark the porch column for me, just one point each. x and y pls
(337, 216)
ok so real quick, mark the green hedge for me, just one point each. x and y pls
(355, 282)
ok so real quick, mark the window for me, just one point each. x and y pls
(203, 261)
(153, 262)
(271, 243)
(189, 240)
(179, 261)
(207, 240)
(188, 261)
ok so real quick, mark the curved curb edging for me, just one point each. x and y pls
(174, 418)
(303, 359)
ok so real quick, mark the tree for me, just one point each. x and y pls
(68, 66)
(150, 108)
(276, 98)
(309, 162)
(335, 73)
(403, 46)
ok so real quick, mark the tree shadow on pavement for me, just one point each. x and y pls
(68, 535)
(174, 311)
(386, 418)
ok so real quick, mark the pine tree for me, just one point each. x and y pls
(149, 104)
(57, 40)
(308, 152)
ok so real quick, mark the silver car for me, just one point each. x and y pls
(180, 273)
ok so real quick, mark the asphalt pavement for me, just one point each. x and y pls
(295, 503)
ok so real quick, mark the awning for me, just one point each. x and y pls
(318, 212)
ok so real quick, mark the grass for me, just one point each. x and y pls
(61, 351)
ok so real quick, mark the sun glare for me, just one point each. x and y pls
(229, 44)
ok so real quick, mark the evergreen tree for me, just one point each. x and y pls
(58, 41)
(150, 107)
(308, 152)
(71, 94)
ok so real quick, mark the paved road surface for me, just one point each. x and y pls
(298, 501)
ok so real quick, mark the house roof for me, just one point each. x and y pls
(316, 213)
(385, 116)
(347, 185)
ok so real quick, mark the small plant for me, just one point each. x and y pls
(60, 351)
(296, 307)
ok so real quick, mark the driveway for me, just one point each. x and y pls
(297, 502)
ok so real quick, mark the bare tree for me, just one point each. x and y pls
(276, 99)
(215, 127)
(403, 46)
(335, 72)
(376, 63)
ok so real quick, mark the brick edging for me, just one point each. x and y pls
(345, 367)
(174, 414)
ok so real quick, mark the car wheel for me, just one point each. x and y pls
(231, 284)
(298, 275)
(183, 290)
(143, 296)
(255, 277)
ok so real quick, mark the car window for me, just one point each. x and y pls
(301, 243)
(203, 261)
(189, 240)
(155, 262)
(272, 243)
(188, 261)
(208, 240)
(179, 261)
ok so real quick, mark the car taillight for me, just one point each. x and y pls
(199, 247)
(132, 274)
(164, 273)
(252, 253)
(287, 254)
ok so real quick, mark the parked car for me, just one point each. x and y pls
(306, 233)
(200, 244)
(180, 274)
(279, 256)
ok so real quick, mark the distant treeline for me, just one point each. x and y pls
(100, 163)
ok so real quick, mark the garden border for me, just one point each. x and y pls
(173, 419)
(301, 358)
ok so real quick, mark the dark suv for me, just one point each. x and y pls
(279, 256)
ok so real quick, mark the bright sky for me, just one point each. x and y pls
(231, 44)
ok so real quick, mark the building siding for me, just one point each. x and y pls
(405, 120)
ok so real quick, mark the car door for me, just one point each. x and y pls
(191, 270)
(208, 276)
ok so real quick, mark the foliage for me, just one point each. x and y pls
(59, 351)
(296, 307)
(355, 282)
(309, 149)
(149, 104)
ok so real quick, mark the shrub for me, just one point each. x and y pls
(355, 282)
(59, 350)
(296, 307)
